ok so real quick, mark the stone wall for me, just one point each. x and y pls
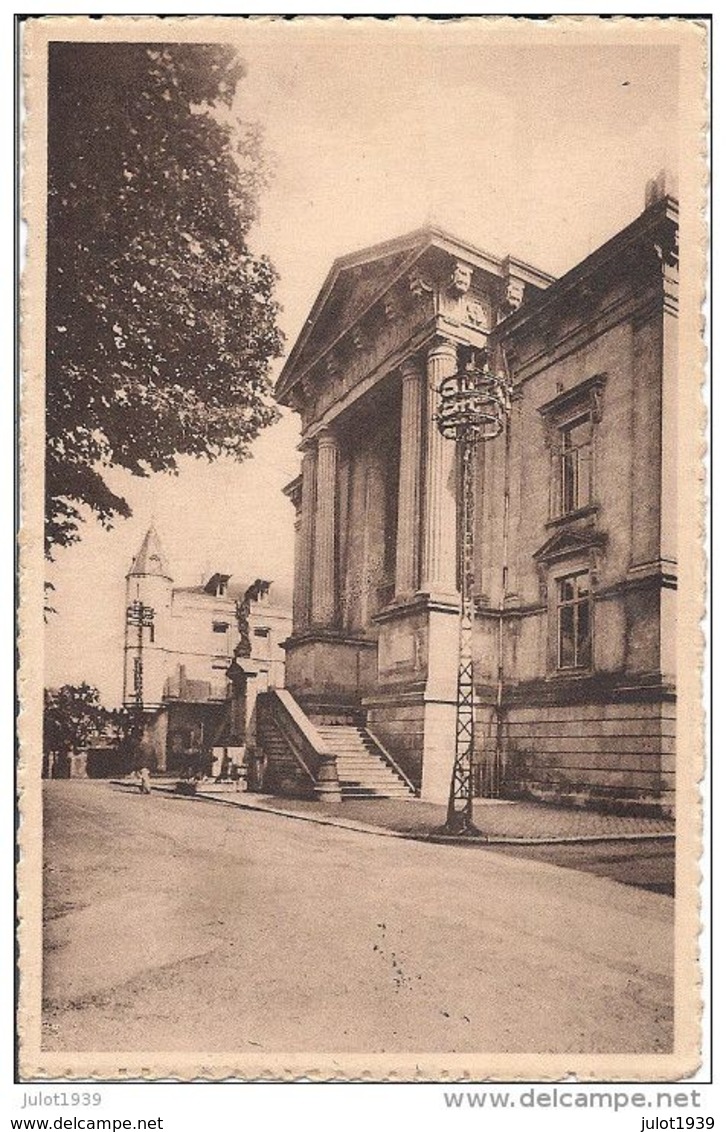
(609, 755)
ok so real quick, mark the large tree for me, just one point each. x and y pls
(161, 322)
(72, 716)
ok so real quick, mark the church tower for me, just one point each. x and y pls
(148, 621)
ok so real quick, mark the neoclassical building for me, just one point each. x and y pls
(575, 525)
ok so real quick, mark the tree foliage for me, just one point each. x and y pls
(72, 715)
(161, 322)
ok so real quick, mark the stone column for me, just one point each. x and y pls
(409, 493)
(303, 569)
(324, 603)
(298, 598)
(439, 517)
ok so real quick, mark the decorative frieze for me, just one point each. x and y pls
(666, 248)
(475, 314)
(391, 307)
(461, 274)
(514, 295)
(420, 285)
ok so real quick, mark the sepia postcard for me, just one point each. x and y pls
(362, 432)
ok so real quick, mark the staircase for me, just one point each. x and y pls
(363, 771)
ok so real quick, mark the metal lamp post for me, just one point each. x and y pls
(141, 617)
(473, 405)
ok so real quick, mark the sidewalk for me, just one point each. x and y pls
(499, 822)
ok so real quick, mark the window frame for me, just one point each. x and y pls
(580, 403)
(576, 603)
(582, 486)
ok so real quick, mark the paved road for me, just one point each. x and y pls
(178, 925)
(647, 864)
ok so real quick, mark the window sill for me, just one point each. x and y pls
(567, 675)
(573, 516)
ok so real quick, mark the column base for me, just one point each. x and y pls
(329, 666)
(435, 596)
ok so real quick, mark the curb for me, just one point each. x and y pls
(432, 838)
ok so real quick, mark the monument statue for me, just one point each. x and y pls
(258, 589)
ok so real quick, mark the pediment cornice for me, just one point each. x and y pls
(375, 286)
(570, 544)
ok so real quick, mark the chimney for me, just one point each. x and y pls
(665, 184)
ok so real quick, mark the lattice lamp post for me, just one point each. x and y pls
(141, 617)
(474, 404)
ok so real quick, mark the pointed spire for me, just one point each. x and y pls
(151, 558)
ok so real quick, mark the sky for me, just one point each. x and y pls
(373, 131)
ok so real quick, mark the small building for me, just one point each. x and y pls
(180, 649)
(575, 524)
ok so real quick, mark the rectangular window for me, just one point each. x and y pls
(574, 622)
(261, 648)
(574, 465)
(220, 627)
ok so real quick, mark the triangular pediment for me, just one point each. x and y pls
(353, 284)
(356, 283)
(569, 544)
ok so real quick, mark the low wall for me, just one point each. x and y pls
(617, 756)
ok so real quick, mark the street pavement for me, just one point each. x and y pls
(177, 925)
(632, 850)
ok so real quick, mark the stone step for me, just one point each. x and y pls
(384, 788)
(351, 790)
(374, 783)
(365, 792)
(349, 745)
(367, 771)
(361, 756)
(362, 770)
(370, 760)
(380, 774)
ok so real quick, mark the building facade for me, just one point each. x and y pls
(180, 649)
(575, 525)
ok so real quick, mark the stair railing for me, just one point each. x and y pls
(304, 741)
(390, 761)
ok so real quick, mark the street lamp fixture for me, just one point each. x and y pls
(474, 404)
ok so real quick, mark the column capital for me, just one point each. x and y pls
(294, 492)
(442, 347)
(326, 438)
(411, 368)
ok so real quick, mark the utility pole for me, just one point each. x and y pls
(473, 405)
(141, 617)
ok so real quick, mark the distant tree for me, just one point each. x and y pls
(72, 716)
(161, 322)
